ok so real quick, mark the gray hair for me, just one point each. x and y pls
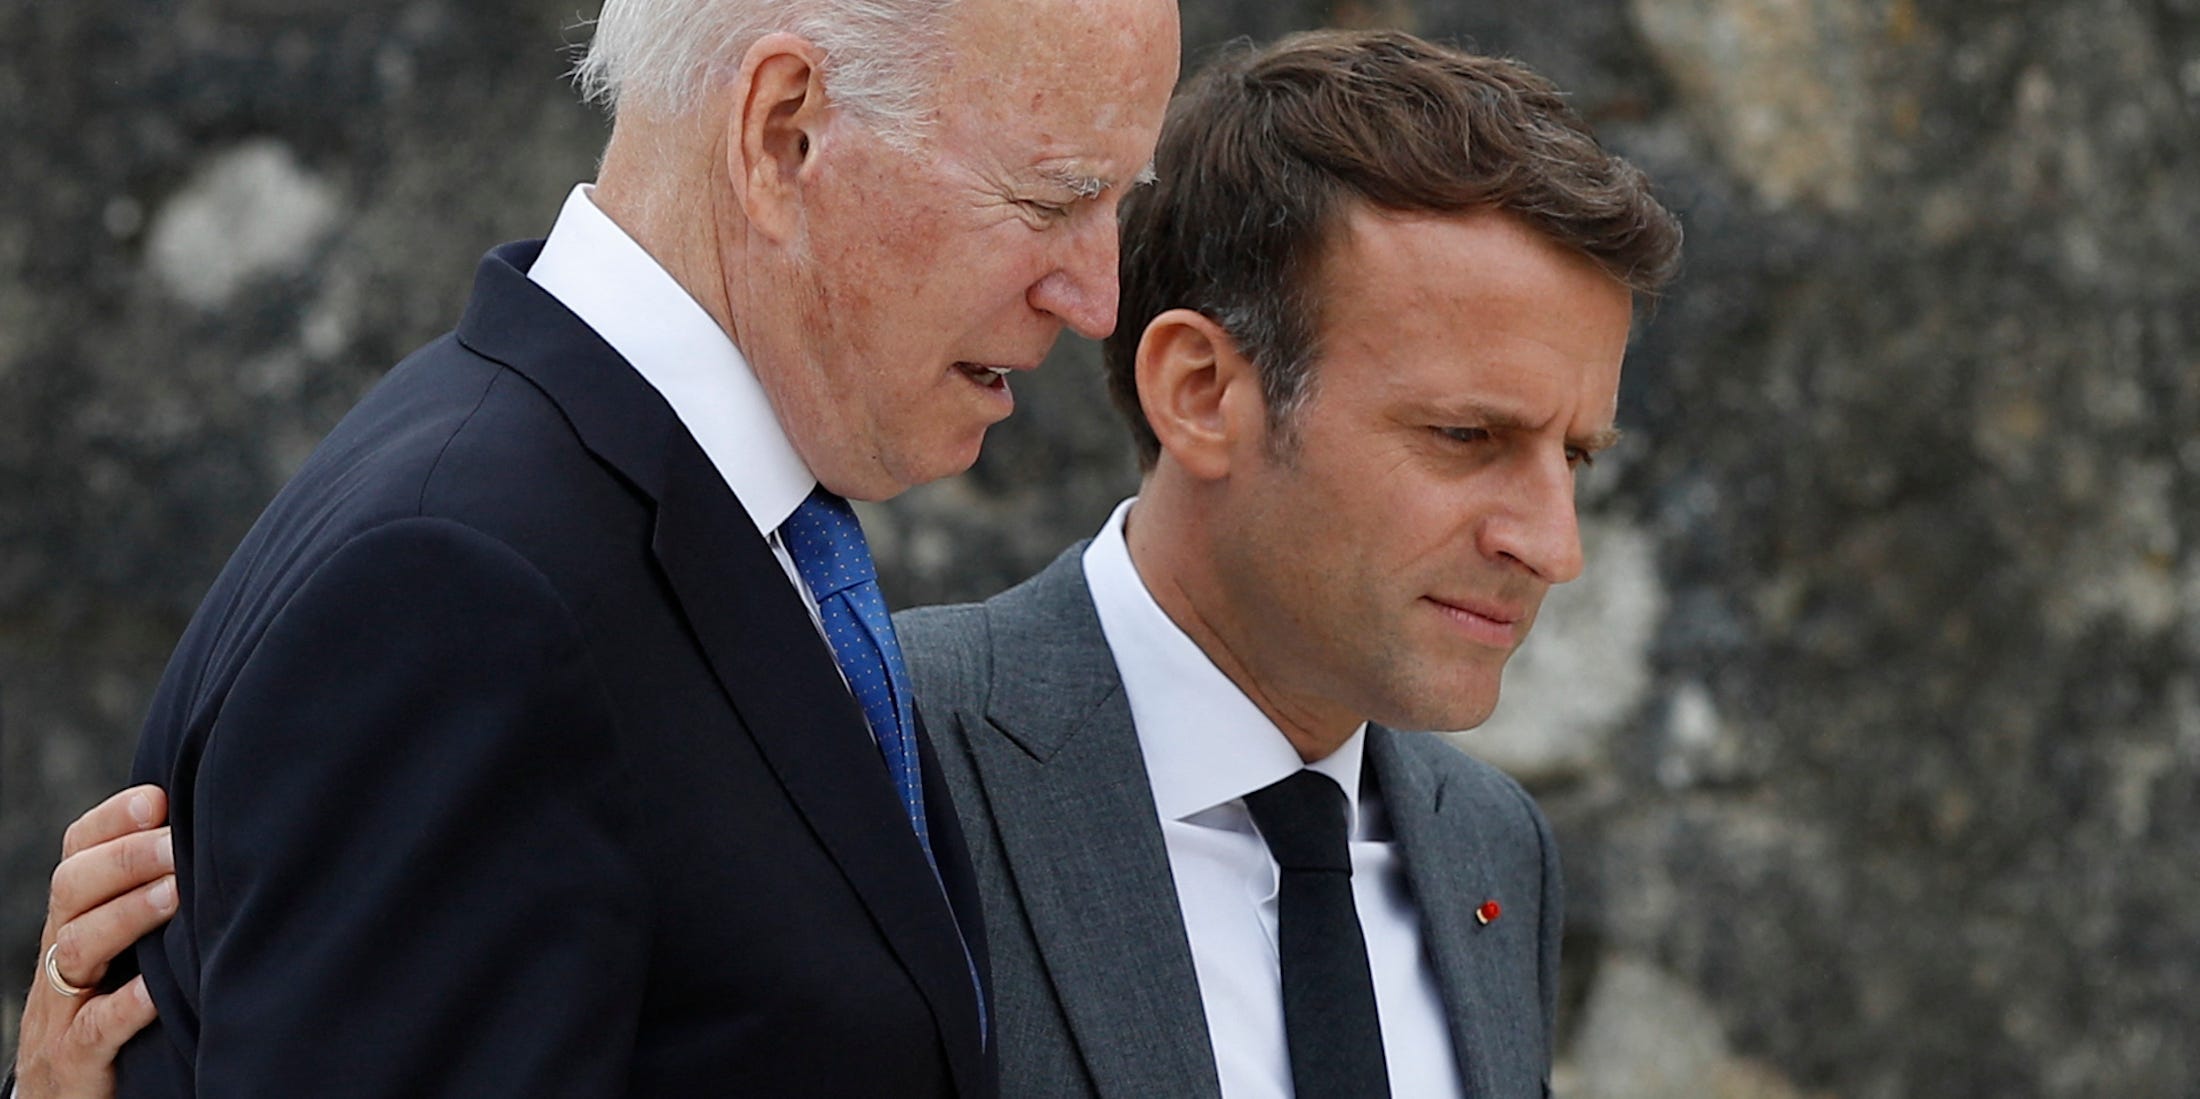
(661, 56)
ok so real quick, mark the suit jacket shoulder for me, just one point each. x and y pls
(949, 658)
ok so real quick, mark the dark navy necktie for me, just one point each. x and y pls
(832, 557)
(1330, 1021)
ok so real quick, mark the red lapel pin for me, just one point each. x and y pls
(1488, 913)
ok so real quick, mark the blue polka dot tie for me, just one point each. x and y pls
(832, 557)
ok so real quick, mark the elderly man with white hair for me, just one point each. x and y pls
(546, 735)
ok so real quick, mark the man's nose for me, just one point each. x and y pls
(1536, 524)
(1081, 289)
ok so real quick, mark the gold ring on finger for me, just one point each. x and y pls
(53, 975)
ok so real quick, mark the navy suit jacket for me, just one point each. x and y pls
(504, 760)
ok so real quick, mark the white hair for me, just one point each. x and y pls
(661, 56)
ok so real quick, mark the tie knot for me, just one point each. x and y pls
(1304, 821)
(827, 545)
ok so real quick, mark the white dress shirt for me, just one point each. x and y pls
(1206, 746)
(594, 269)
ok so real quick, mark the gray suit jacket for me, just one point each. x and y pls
(1094, 992)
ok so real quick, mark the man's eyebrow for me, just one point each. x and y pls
(1085, 185)
(1601, 440)
(1476, 412)
(1075, 182)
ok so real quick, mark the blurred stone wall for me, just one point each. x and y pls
(1873, 734)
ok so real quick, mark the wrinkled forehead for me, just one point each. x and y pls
(1095, 65)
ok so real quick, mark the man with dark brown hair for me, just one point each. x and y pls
(1372, 317)
(1372, 320)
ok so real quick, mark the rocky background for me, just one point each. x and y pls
(1873, 734)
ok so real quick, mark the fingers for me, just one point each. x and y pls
(98, 874)
(73, 1057)
(133, 810)
(83, 946)
(116, 881)
(98, 1031)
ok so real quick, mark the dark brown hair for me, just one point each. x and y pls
(1263, 149)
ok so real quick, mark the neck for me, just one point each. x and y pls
(662, 183)
(1173, 550)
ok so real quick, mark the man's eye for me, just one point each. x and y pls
(1579, 458)
(1464, 434)
(1048, 211)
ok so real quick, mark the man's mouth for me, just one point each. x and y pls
(1489, 622)
(991, 377)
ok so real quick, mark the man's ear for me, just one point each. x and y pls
(1200, 395)
(779, 110)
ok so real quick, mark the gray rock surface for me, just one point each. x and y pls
(1873, 739)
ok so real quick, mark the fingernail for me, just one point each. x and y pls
(163, 895)
(141, 809)
(165, 851)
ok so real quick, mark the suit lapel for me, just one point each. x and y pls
(752, 629)
(952, 853)
(781, 678)
(1447, 870)
(1082, 841)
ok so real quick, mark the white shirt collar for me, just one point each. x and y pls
(1205, 742)
(591, 266)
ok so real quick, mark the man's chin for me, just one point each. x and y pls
(1457, 722)
(892, 478)
(954, 459)
(1455, 712)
